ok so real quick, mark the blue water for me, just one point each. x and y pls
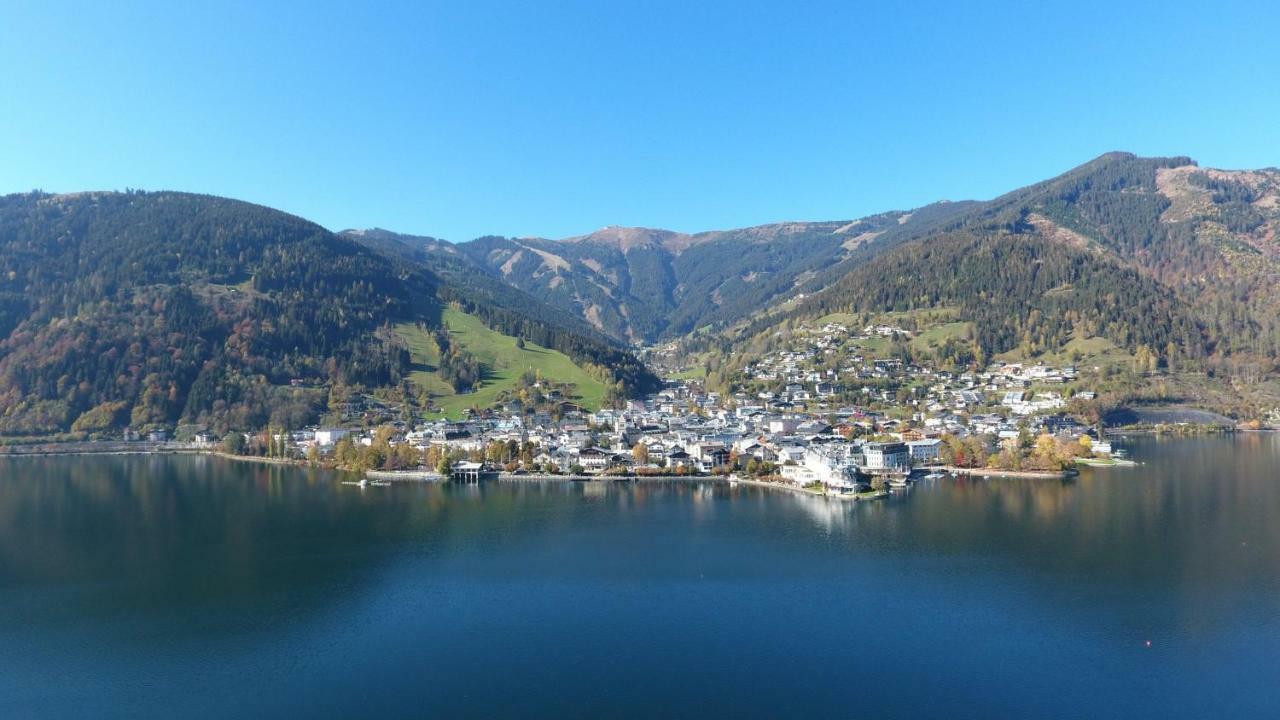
(139, 587)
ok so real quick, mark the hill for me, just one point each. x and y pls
(150, 309)
(1153, 252)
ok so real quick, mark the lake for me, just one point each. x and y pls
(168, 586)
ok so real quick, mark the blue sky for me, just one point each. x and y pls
(554, 119)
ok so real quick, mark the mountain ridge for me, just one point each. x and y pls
(644, 285)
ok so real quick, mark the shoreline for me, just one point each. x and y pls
(87, 448)
(1023, 474)
(173, 448)
(77, 447)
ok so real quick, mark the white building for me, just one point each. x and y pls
(886, 457)
(328, 436)
(925, 452)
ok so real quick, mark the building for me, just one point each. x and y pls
(680, 459)
(925, 452)
(886, 457)
(470, 472)
(328, 436)
(594, 459)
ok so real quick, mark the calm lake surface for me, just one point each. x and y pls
(139, 587)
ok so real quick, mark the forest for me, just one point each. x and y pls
(150, 309)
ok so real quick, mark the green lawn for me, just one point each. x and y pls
(503, 364)
(939, 334)
(846, 319)
(693, 373)
(1090, 351)
(875, 346)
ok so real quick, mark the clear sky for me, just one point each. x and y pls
(556, 118)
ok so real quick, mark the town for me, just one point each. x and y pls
(817, 416)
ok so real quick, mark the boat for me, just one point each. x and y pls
(898, 481)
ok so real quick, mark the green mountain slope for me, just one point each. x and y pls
(505, 362)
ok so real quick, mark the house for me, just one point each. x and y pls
(325, 437)
(680, 459)
(831, 469)
(594, 459)
(715, 457)
(800, 474)
(784, 426)
(558, 460)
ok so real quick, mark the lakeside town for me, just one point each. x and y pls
(810, 417)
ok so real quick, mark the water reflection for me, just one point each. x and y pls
(197, 578)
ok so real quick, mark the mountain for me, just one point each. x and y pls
(1154, 252)
(642, 285)
(149, 309)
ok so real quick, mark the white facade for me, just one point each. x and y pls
(924, 452)
(329, 436)
(886, 456)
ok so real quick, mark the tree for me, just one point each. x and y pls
(234, 444)
(345, 453)
(445, 465)
(1086, 445)
(640, 453)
